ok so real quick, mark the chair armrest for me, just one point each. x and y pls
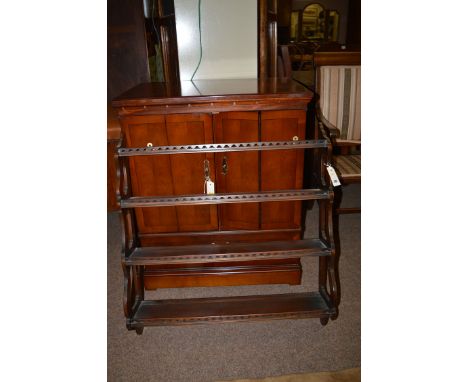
(329, 131)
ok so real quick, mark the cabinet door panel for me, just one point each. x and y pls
(188, 169)
(282, 169)
(170, 174)
(242, 168)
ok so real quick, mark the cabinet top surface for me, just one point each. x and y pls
(156, 93)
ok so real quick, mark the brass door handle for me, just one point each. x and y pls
(224, 166)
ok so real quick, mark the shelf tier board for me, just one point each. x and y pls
(224, 198)
(230, 309)
(223, 147)
(227, 252)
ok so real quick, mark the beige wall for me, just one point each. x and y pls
(229, 38)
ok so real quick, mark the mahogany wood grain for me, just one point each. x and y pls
(262, 16)
(272, 39)
(282, 170)
(230, 309)
(237, 174)
(214, 92)
(337, 58)
(170, 57)
(172, 175)
(217, 237)
(227, 103)
(113, 124)
(281, 271)
(187, 254)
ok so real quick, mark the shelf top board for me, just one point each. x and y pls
(157, 93)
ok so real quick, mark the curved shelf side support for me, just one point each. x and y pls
(133, 292)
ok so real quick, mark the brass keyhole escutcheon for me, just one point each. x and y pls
(149, 144)
(295, 138)
(206, 169)
(224, 166)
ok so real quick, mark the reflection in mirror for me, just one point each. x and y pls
(333, 19)
(314, 23)
(294, 33)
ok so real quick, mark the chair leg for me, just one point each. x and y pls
(338, 191)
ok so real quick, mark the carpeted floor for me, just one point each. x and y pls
(348, 375)
(239, 350)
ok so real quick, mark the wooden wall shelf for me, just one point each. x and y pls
(252, 146)
(224, 147)
(225, 198)
(227, 252)
(230, 309)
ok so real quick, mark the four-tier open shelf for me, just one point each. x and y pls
(140, 313)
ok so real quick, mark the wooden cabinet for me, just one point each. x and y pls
(248, 137)
(230, 171)
(172, 174)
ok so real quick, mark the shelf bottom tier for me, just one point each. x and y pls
(230, 309)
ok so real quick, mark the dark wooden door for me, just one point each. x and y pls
(237, 171)
(170, 174)
(282, 169)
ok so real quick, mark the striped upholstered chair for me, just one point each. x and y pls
(338, 114)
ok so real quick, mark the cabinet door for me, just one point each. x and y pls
(241, 173)
(282, 169)
(174, 174)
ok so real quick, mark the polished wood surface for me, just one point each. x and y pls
(201, 237)
(230, 309)
(234, 169)
(337, 58)
(249, 231)
(267, 38)
(187, 254)
(214, 91)
(166, 23)
(170, 175)
(156, 114)
(113, 124)
(280, 271)
(282, 170)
